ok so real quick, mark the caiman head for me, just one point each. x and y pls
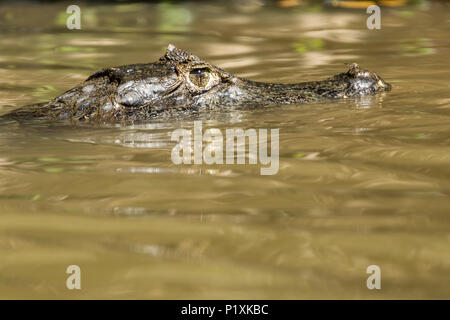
(177, 83)
(180, 82)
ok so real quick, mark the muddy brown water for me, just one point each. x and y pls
(360, 182)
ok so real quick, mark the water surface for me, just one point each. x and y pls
(361, 182)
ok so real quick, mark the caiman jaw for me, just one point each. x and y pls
(356, 82)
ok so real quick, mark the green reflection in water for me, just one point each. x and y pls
(45, 91)
(173, 17)
(416, 47)
(305, 45)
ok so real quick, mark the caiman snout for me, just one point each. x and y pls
(365, 82)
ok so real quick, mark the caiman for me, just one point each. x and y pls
(181, 83)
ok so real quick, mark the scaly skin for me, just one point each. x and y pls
(181, 83)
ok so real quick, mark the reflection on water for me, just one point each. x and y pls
(360, 182)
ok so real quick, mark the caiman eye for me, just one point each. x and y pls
(200, 77)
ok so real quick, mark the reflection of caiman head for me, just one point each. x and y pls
(180, 82)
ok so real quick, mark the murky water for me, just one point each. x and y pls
(361, 182)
